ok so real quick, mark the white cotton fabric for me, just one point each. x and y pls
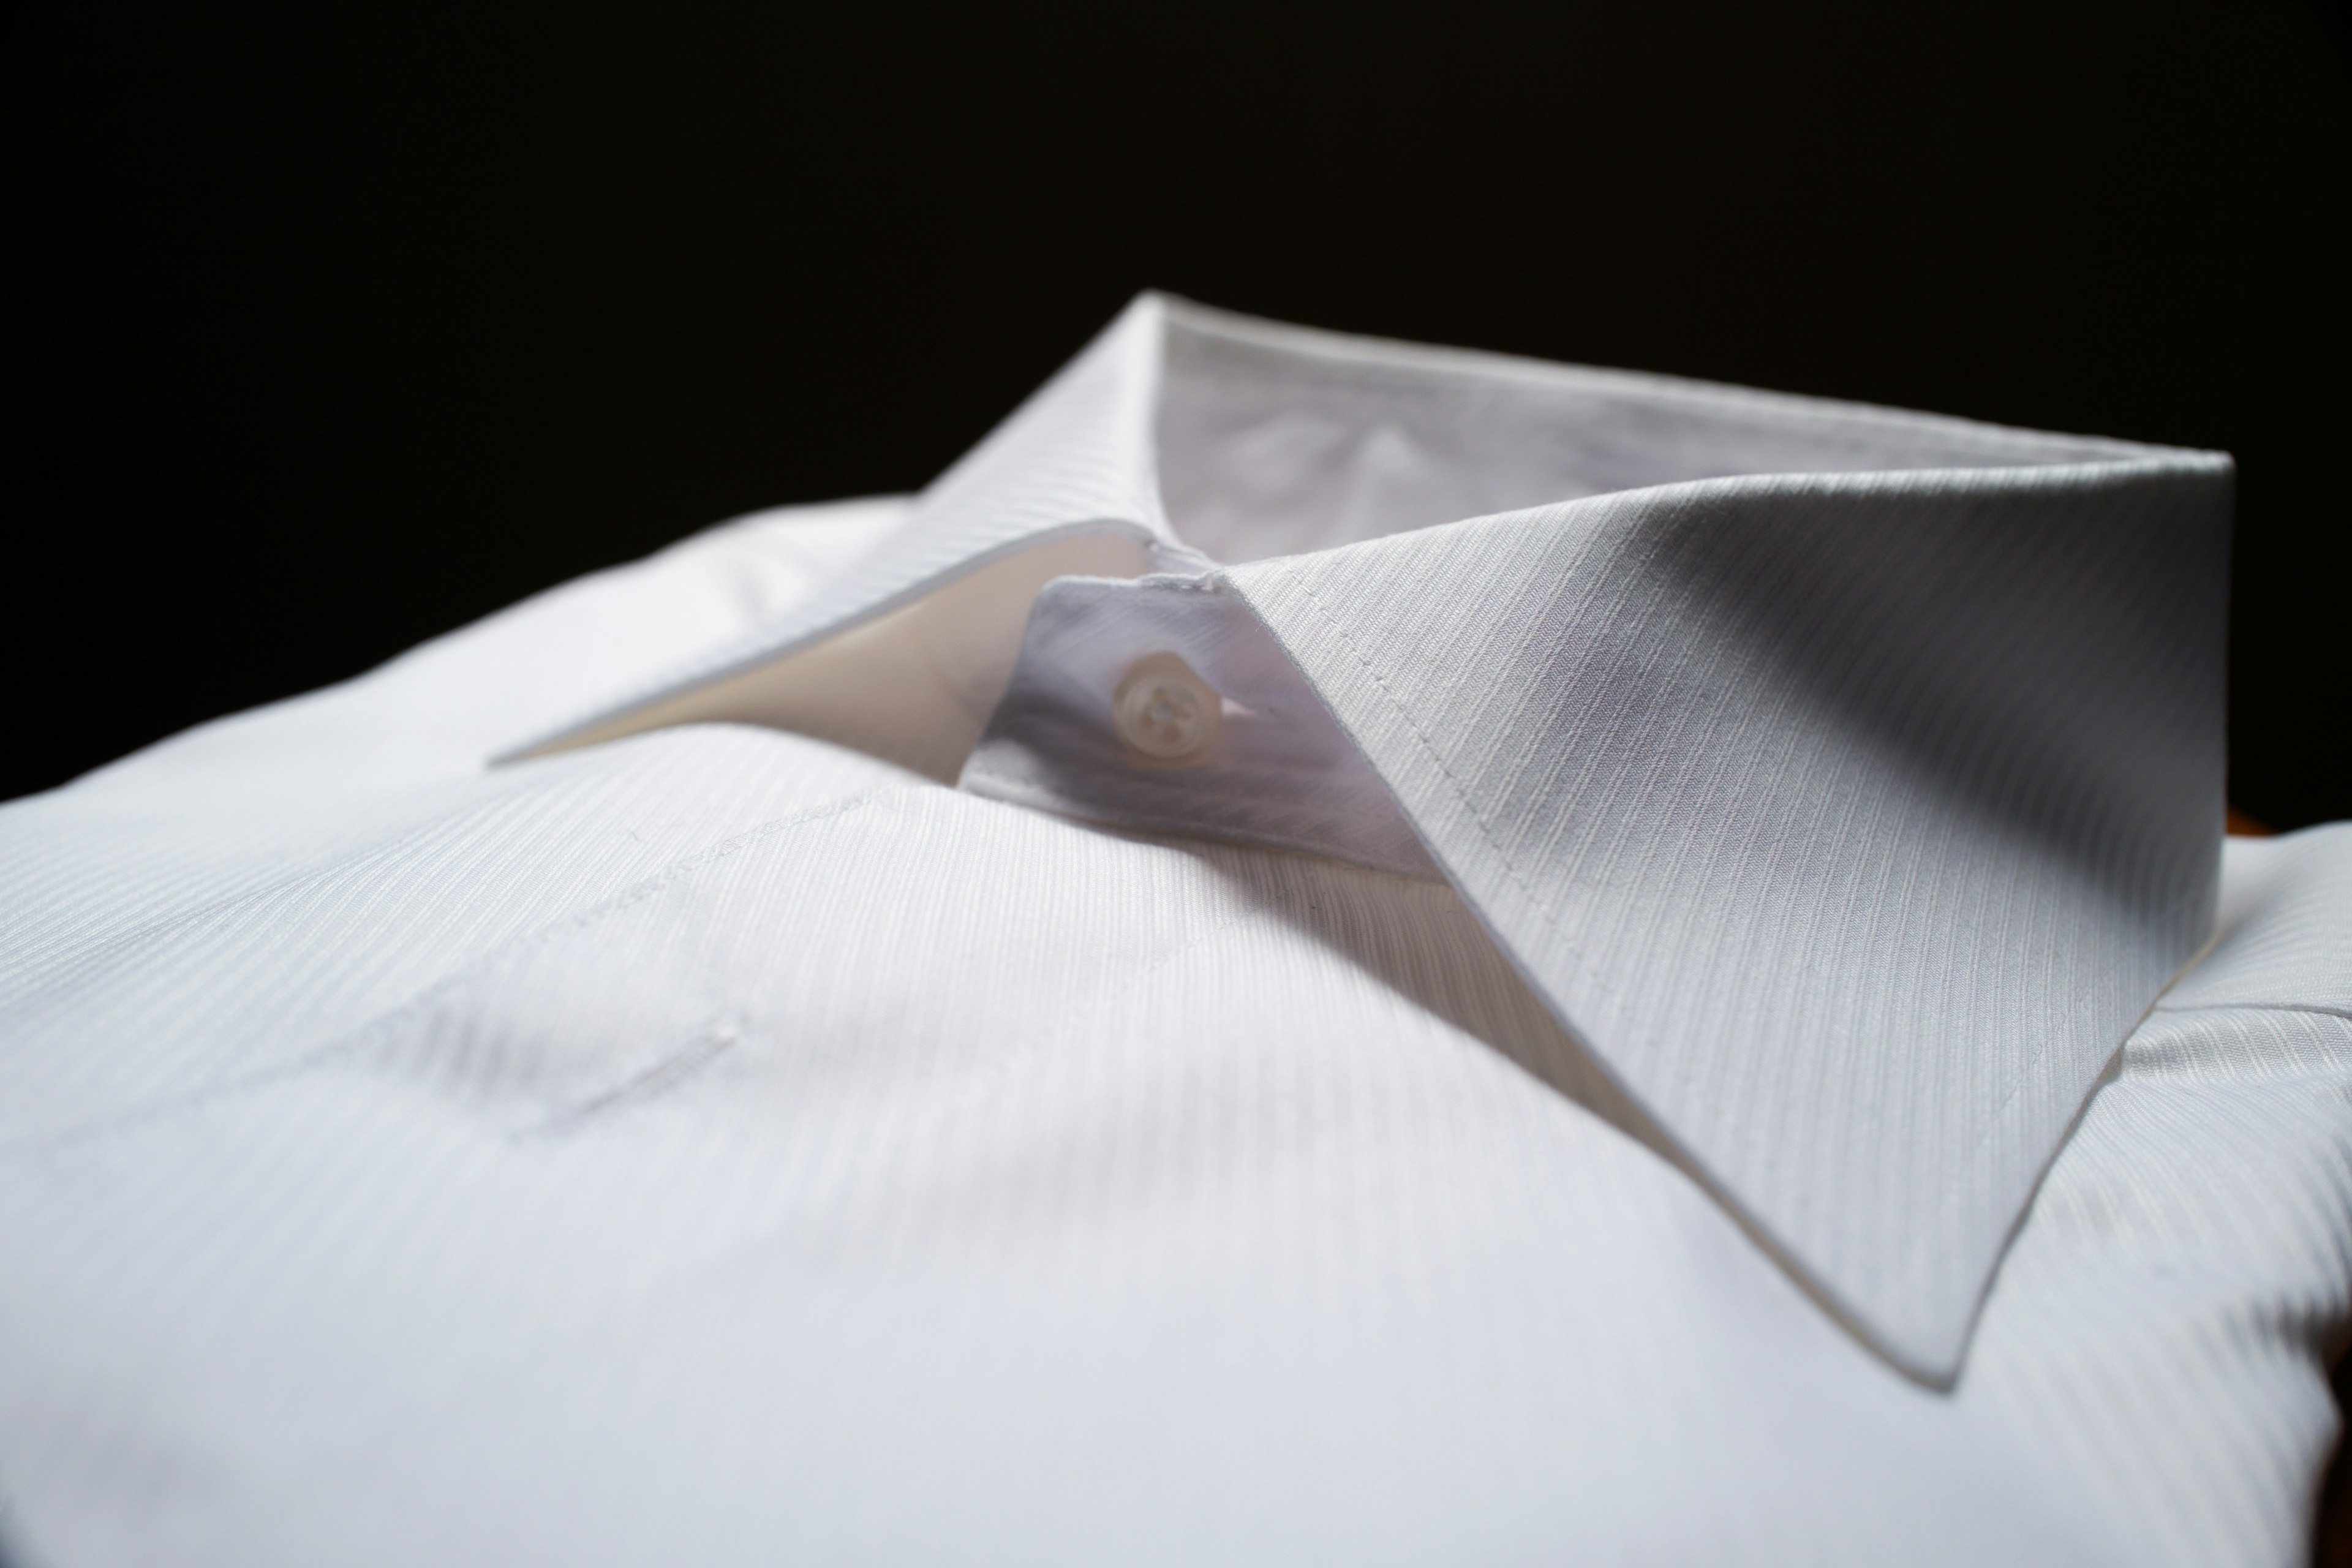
(1848, 817)
(1851, 822)
(722, 1144)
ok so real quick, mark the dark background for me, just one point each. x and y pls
(329, 328)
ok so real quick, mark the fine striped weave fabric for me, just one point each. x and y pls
(1616, 1060)
(1890, 805)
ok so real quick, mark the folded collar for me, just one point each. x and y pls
(1848, 781)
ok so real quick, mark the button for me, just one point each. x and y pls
(1165, 710)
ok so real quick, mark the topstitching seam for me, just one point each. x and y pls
(1948, 1193)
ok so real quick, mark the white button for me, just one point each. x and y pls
(1165, 710)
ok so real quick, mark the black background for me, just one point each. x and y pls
(329, 328)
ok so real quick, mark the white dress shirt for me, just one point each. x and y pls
(1326, 952)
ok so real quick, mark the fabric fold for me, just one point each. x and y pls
(1074, 461)
(1851, 821)
(1848, 781)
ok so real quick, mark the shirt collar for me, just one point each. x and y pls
(1847, 782)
